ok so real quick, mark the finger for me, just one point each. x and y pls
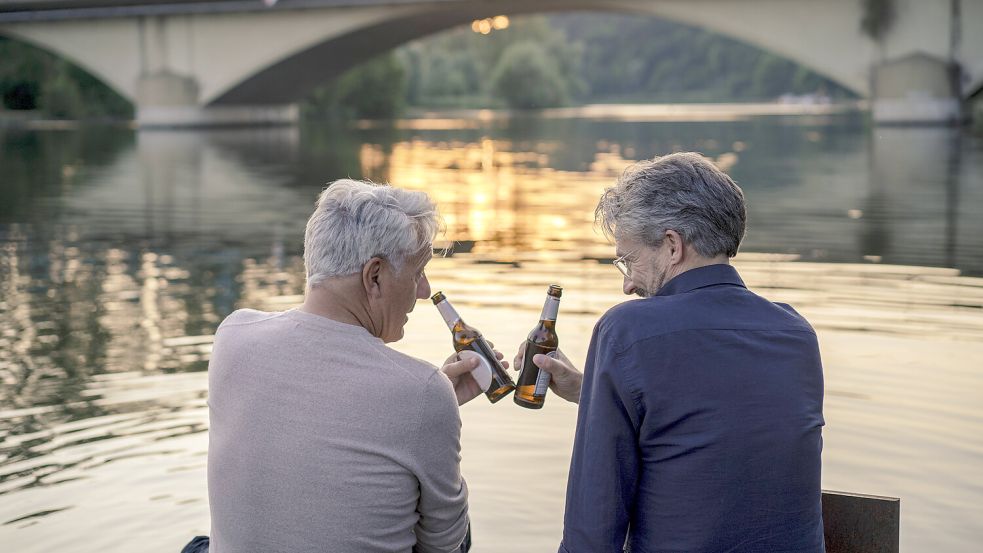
(454, 357)
(490, 344)
(458, 368)
(467, 382)
(517, 360)
(546, 363)
(505, 364)
(499, 355)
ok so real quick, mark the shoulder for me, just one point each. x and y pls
(618, 317)
(439, 396)
(437, 404)
(794, 318)
(634, 320)
(242, 317)
(244, 326)
(411, 365)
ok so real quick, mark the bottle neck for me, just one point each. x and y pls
(550, 308)
(449, 314)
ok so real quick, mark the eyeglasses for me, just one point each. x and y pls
(623, 265)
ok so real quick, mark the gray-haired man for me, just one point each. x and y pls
(321, 437)
(700, 417)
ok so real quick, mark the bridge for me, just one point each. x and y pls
(213, 62)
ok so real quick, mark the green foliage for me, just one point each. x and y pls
(878, 16)
(541, 61)
(459, 67)
(526, 77)
(629, 58)
(61, 97)
(32, 79)
(975, 108)
(21, 73)
(373, 90)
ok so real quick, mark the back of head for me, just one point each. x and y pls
(355, 221)
(684, 192)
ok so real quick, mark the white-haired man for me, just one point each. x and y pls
(699, 427)
(321, 437)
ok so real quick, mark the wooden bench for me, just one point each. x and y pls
(855, 523)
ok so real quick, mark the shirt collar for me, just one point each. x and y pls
(701, 277)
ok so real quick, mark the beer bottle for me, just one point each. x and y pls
(490, 374)
(531, 389)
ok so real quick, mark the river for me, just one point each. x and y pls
(121, 251)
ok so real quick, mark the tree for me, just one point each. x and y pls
(61, 97)
(527, 77)
(31, 78)
(372, 90)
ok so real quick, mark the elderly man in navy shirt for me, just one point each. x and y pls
(699, 427)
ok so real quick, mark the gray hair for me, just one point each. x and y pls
(355, 221)
(683, 192)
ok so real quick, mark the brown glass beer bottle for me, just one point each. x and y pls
(533, 383)
(468, 341)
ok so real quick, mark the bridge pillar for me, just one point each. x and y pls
(168, 100)
(167, 93)
(916, 90)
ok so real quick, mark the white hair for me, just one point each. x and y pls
(355, 221)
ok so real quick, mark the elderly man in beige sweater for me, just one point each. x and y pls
(322, 438)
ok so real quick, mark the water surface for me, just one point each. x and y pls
(121, 252)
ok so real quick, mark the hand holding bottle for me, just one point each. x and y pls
(458, 370)
(565, 379)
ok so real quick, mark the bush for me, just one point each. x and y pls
(19, 94)
(372, 90)
(62, 99)
(527, 77)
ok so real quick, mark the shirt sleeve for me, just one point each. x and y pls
(605, 464)
(443, 504)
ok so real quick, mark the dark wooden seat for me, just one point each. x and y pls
(855, 523)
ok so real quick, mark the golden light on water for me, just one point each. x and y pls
(501, 198)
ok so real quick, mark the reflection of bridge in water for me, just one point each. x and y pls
(908, 196)
(200, 62)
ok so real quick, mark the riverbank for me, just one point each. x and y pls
(35, 120)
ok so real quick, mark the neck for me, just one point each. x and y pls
(695, 261)
(340, 299)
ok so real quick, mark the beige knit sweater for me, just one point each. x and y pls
(323, 439)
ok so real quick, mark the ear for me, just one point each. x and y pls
(372, 277)
(677, 249)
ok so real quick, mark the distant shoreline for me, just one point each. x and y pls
(436, 118)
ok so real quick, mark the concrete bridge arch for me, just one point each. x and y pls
(191, 61)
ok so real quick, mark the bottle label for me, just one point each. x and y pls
(482, 374)
(543, 379)
(550, 308)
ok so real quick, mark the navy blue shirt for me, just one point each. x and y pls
(700, 425)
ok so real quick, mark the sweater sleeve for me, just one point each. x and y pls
(443, 504)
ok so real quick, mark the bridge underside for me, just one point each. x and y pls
(306, 70)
